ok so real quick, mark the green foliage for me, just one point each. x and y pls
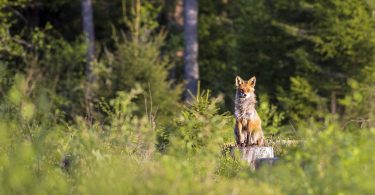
(302, 101)
(297, 44)
(38, 157)
(359, 102)
(46, 62)
(328, 162)
(138, 60)
(217, 42)
(271, 117)
(200, 128)
(52, 158)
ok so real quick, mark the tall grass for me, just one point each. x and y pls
(40, 153)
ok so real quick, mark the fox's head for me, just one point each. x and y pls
(245, 89)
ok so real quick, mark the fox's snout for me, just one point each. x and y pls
(242, 94)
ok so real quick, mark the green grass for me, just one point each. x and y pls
(122, 156)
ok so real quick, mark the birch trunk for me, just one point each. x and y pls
(191, 69)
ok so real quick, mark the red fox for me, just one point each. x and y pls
(248, 129)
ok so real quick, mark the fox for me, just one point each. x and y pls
(248, 129)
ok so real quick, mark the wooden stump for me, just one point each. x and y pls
(255, 156)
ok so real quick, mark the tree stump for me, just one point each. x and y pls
(265, 161)
(255, 156)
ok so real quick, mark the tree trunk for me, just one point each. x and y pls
(333, 102)
(191, 69)
(88, 29)
(175, 20)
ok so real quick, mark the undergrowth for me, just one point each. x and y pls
(128, 154)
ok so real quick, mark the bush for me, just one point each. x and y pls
(200, 128)
(328, 162)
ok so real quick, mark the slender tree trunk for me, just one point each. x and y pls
(333, 102)
(35, 16)
(175, 20)
(88, 29)
(176, 16)
(191, 69)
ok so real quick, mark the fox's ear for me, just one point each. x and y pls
(252, 81)
(239, 81)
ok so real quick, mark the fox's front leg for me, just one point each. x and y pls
(260, 138)
(255, 133)
(238, 132)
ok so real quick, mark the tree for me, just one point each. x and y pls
(138, 62)
(191, 69)
(88, 29)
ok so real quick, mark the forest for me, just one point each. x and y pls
(137, 96)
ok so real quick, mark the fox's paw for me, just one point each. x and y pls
(261, 142)
(242, 139)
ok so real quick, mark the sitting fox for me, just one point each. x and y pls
(248, 129)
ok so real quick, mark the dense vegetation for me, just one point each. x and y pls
(315, 67)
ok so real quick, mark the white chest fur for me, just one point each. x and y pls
(245, 108)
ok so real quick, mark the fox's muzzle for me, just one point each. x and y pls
(242, 95)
